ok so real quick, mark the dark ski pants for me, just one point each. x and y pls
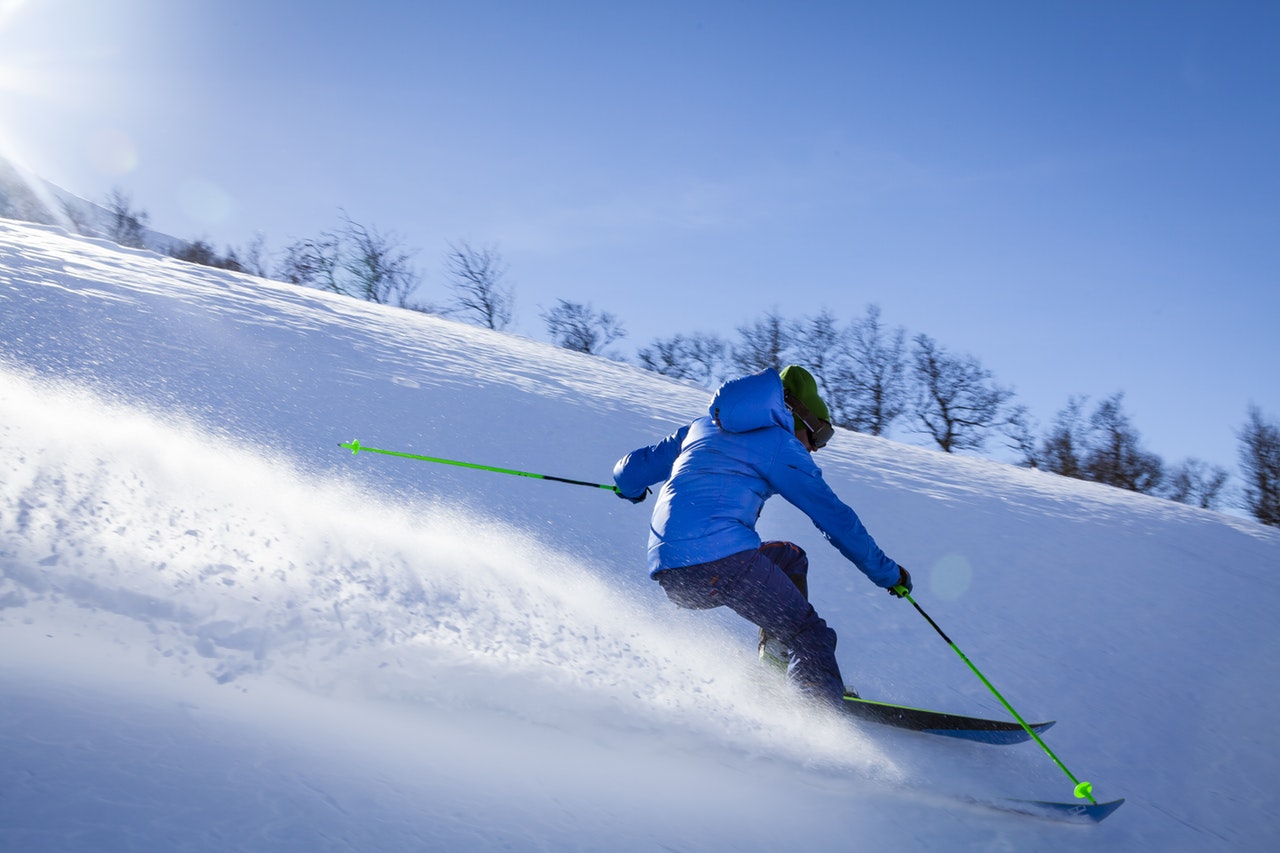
(766, 587)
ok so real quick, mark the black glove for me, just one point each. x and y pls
(903, 585)
(635, 500)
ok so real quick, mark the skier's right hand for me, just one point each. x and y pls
(635, 500)
(903, 586)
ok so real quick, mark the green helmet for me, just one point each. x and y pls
(800, 390)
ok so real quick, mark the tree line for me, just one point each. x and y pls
(873, 376)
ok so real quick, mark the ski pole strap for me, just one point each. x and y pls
(1083, 790)
(356, 447)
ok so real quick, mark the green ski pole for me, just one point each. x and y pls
(1083, 790)
(355, 447)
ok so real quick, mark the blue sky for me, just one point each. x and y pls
(1085, 195)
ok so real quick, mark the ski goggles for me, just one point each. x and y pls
(820, 431)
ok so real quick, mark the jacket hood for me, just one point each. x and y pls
(751, 402)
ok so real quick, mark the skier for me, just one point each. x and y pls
(755, 441)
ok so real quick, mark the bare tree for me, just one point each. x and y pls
(313, 262)
(475, 276)
(817, 344)
(125, 226)
(1115, 456)
(1197, 483)
(203, 253)
(379, 270)
(256, 259)
(1020, 432)
(579, 327)
(874, 389)
(699, 358)
(957, 400)
(1260, 465)
(664, 356)
(1063, 449)
(195, 252)
(763, 344)
(354, 260)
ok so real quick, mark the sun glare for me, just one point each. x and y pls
(56, 72)
(8, 8)
(40, 57)
(28, 86)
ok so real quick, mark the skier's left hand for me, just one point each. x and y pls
(903, 584)
(635, 500)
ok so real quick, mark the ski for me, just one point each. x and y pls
(1081, 812)
(940, 723)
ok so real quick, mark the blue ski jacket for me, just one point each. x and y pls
(718, 471)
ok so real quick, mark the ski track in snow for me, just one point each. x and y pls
(220, 631)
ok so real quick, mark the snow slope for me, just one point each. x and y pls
(219, 630)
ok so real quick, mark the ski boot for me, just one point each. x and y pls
(773, 654)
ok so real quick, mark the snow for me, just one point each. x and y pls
(219, 630)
